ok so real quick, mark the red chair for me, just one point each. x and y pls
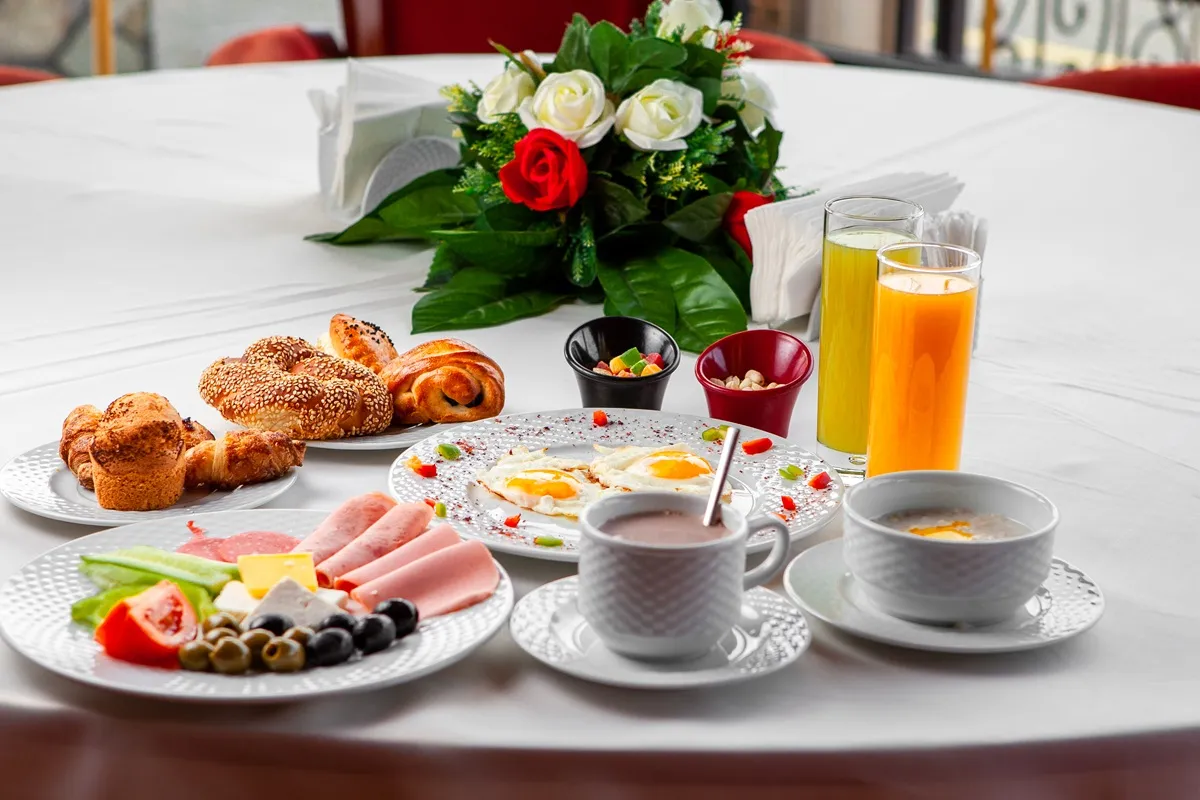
(10, 76)
(1175, 85)
(288, 43)
(769, 45)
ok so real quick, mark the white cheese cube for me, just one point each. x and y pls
(292, 600)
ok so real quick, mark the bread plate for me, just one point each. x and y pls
(40, 483)
(399, 437)
(35, 619)
(756, 484)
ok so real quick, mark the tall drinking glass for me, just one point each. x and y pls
(855, 229)
(925, 306)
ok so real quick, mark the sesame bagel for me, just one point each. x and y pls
(282, 383)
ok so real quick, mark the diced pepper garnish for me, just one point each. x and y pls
(439, 510)
(599, 418)
(655, 359)
(787, 476)
(449, 452)
(637, 368)
(756, 446)
(617, 365)
(631, 357)
(548, 541)
(427, 470)
(794, 471)
(788, 503)
(714, 434)
(820, 480)
(513, 521)
(650, 369)
(195, 529)
(429, 501)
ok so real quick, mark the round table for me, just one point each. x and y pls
(151, 224)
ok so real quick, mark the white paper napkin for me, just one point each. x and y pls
(788, 237)
(365, 120)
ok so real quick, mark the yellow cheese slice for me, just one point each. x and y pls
(261, 572)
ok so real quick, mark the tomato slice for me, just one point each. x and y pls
(513, 521)
(788, 503)
(149, 628)
(599, 418)
(820, 480)
(756, 446)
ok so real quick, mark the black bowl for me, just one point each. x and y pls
(605, 338)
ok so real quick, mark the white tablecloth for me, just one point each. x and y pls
(151, 224)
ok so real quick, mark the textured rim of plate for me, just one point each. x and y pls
(819, 505)
(483, 620)
(398, 440)
(530, 620)
(1063, 576)
(25, 482)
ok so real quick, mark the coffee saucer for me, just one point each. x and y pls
(1066, 605)
(546, 623)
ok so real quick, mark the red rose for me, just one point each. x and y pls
(547, 172)
(735, 217)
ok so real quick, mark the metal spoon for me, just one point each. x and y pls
(713, 508)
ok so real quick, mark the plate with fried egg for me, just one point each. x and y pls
(519, 483)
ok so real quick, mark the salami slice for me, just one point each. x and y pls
(255, 543)
(202, 547)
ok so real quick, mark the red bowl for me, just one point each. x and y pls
(780, 357)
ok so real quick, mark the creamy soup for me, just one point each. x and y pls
(954, 524)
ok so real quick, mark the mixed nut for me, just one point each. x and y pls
(753, 381)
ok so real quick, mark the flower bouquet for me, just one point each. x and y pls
(618, 173)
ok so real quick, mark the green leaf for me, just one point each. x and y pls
(506, 252)
(707, 308)
(476, 298)
(637, 289)
(701, 219)
(413, 211)
(768, 142)
(445, 263)
(583, 255)
(647, 54)
(607, 46)
(730, 270)
(704, 62)
(573, 52)
(618, 205)
(508, 217)
(739, 255)
(711, 89)
(645, 77)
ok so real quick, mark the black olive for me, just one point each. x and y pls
(402, 612)
(328, 647)
(343, 621)
(373, 633)
(275, 624)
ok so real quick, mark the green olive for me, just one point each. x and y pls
(222, 619)
(283, 655)
(217, 634)
(194, 655)
(230, 657)
(256, 640)
(298, 633)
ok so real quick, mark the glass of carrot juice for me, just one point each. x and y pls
(925, 302)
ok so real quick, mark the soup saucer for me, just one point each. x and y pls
(1066, 605)
(546, 623)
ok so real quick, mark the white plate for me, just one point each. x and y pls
(1066, 605)
(397, 438)
(475, 512)
(39, 482)
(35, 619)
(547, 625)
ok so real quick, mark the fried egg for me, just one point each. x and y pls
(640, 469)
(533, 480)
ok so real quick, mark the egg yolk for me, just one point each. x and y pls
(544, 483)
(677, 466)
(957, 530)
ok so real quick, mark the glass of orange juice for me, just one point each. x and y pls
(855, 229)
(925, 303)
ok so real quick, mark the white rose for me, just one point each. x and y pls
(660, 115)
(693, 16)
(572, 104)
(505, 92)
(755, 97)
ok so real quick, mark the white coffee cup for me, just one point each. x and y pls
(668, 602)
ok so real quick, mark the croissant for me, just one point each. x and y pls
(242, 457)
(194, 433)
(444, 381)
(75, 446)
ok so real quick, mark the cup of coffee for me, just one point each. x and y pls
(656, 584)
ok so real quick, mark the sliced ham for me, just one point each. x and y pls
(447, 580)
(344, 525)
(203, 547)
(255, 543)
(439, 538)
(400, 524)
